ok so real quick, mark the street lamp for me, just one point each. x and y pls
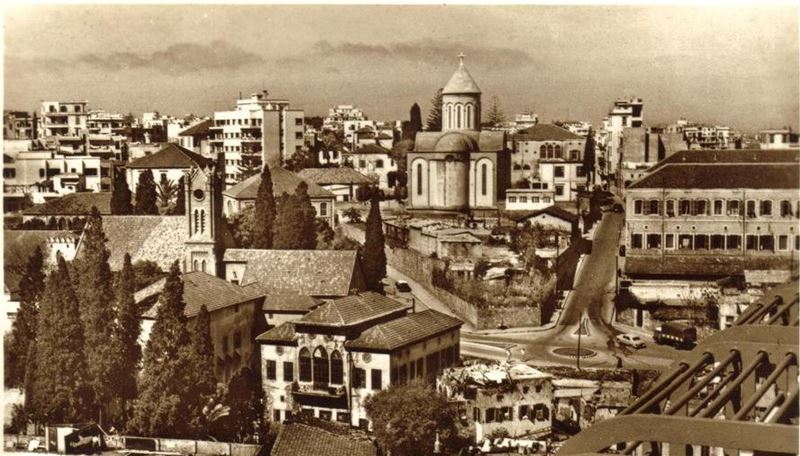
(581, 325)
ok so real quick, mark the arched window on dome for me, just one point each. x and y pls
(419, 178)
(470, 121)
(484, 177)
(449, 123)
(458, 117)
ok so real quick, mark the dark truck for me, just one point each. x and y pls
(676, 334)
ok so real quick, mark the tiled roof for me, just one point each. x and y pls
(721, 175)
(741, 156)
(199, 128)
(73, 204)
(353, 309)
(460, 141)
(306, 272)
(461, 82)
(170, 156)
(301, 440)
(283, 333)
(326, 176)
(555, 211)
(283, 181)
(546, 132)
(202, 289)
(372, 149)
(405, 330)
(289, 302)
(145, 237)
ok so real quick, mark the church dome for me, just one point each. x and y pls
(455, 142)
(461, 82)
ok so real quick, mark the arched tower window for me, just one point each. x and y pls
(484, 178)
(458, 117)
(203, 265)
(419, 178)
(202, 220)
(469, 120)
(321, 367)
(194, 265)
(449, 119)
(305, 365)
(196, 220)
(337, 369)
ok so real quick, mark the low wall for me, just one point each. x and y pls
(182, 446)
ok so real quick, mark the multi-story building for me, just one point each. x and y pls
(517, 398)
(375, 162)
(709, 213)
(625, 113)
(260, 130)
(63, 118)
(49, 173)
(17, 125)
(538, 144)
(579, 127)
(101, 122)
(778, 139)
(338, 115)
(707, 136)
(329, 361)
(196, 138)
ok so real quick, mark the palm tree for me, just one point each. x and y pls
(167, 191)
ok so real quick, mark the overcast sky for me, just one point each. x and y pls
(735, 65)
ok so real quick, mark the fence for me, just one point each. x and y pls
(182, 446)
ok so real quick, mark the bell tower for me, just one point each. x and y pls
(203, 219)
(461, 101)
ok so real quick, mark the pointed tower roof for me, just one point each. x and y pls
(461, 82)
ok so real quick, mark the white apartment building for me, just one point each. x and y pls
(778, 139)
(49, 173)
(63, 118)
(339, 114)
(260, 130)
(101, 122)
(626, 112)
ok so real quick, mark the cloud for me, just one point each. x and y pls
(179, 58)
(427, 50)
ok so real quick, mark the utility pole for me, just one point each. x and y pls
(580, 330)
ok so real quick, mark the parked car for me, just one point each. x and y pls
(402, 286)
(631, 340)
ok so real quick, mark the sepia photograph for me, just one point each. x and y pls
(253, 229)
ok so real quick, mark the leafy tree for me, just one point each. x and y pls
(241, 227)
(295, 227)
(96, 296)
(374, 245)
(121, 195)
(481, 268)
(200, 375)
(244, 396)
(52, 223)
(308, 226)
(406, 418)
(128, 352)
(167, 190)
(589, 157)
(23, 330)
(264, 213)
(353, 215)
(146, 195)
(365, 192)
(162, 406)
(315, 122)
(495, 114)
(299, 160)
(434, 122)
(251, 165)
(62, 394)
(180, 198)
(146, 272)
(325, 235)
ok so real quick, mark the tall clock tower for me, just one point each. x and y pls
(204, 219)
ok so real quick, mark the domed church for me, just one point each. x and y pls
(460, 168)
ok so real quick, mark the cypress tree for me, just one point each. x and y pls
(308, 217)
(434, 122)
(288, 223)
(265, 213)
(374, 245)
(200, 375)
(62, 394)
(180, 198)
(120, 195)
(495, 114)
(415, 117)
(244, 399)
(23, 331)
(589, 157)
(161, 408)
(662, 151)
(146, 195)
(30, 405)
(96, 297)
(129, 353)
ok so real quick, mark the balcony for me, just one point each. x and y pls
(320, 395)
